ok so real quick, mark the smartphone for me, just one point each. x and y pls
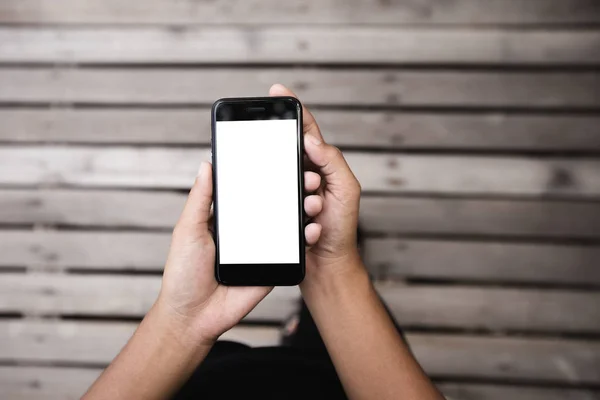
(258, 188)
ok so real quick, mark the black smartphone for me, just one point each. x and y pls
(257, 156)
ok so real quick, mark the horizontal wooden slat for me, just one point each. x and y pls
(567, 361)
(112, 295)
(571, 362)
(462, 391)
(432, 306)
(362, 45)
(84, 249)
(68, 383)
(160, 210)
(92, 342)
(477, 261)
(475, 217)
(176, 168)
(314, 86)
(385, 258)
(463, 307)
(386, 130)
(300, 12)
(46, 383)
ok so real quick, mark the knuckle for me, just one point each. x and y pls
(358, 186)
(334, 151)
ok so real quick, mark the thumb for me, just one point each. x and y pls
(196, 212)
(331, 163)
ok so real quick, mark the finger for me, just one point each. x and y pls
(312, 233)
(308, 121)
(313, 205)
(329, 160)
(312, 181)
(245, 298)
(196, 213)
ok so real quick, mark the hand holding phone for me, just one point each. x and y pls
(201, 309)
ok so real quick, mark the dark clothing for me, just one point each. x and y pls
(299, 369)
(235, 371)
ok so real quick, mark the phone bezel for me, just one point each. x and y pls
(249, 108)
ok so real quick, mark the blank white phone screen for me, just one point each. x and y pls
(257, 183)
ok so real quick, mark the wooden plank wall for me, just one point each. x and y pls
(474, 128)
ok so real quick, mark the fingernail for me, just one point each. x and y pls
(314, 140)
(201, 169)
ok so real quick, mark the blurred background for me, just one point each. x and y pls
(473, 126)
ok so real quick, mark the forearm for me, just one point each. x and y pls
(368, 353)
(154, 364)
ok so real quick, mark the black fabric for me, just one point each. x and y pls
(300, 369)
(235, 371)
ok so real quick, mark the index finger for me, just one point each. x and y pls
(308, 121)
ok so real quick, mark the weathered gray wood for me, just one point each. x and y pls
(385, 130)
(474, 217)
(465, 307)
(52, 294)
(106, 208)
(314, 86)
(46, 383)
(423, 306)
(160, 210)
(48, 250)
(385, 258)
(300, 12)
(462, 391)
(286, 44)
(449, 356)
(92, 342)
(480, 261)
(68, 383)
(177, 167)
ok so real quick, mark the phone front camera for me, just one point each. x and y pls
(279, 108)
(224, 113)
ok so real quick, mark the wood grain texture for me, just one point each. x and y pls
(92, 342)
(365, 129)
(47, 250)
(342, 45)
(176, 168)
(329, 12)
(453, 356)
(476, 261)
(386, 258)
(480, 217)
(46, 383)
(422, 216)
(53, 294)
(448, 356)
(462, 391)
(68, 383)
(458, 307)
(313, 86)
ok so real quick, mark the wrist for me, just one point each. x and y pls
(335, 277)
(184, 330)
